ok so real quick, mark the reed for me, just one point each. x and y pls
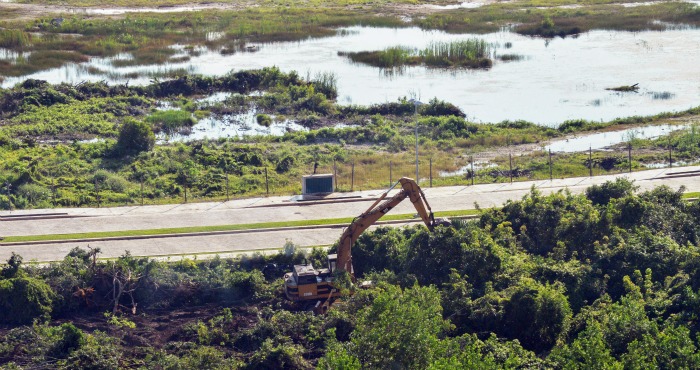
(15, 39)
(388, 58)
(471, 53)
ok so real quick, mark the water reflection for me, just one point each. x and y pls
(232, 126)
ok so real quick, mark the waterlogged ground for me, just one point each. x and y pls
(232, 126)
(555, 80)
(606, 139)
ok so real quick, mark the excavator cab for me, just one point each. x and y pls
(306, 283)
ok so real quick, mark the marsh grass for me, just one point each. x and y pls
(149, 37)
(170, 120)
(14, 39)
(542, 18)
(471, 53)
(388, 58)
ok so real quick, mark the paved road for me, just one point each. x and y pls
(272, 209)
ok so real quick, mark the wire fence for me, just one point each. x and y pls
(360, 173)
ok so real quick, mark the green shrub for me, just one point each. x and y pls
(135, 136)
(24, 299)
(263, 120)
(70, 338)
(246, 285)
(100, 352)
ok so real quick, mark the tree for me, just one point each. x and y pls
(400, 328)
(602, 194)
(13, 266)
(536, 315)
(134, 137)
(588, 351)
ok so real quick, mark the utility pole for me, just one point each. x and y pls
(551, 178)
(416, 103)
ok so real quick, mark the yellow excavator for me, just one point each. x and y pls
(307, 284)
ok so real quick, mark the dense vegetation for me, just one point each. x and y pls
(94, 143)
(606, 279)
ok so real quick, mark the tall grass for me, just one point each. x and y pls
(468, 53)
(326, 83)
(170, 120)
(388, 58)
(471, 53)
(14, 39)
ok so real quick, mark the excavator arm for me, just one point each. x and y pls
(409, 189)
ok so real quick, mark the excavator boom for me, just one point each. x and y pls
(308, 284)
(409, 189)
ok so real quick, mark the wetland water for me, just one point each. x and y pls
(605, 139)
(556, 79)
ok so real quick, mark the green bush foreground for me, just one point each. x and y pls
(606, 279)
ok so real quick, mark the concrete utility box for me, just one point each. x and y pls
(317, 184)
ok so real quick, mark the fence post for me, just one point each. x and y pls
(510, 161)
(629, 155)
(227, 187)
(431, 172)
(53, 191)
(551, 178)
(335, 176)
(142, 190)
(471, 162)
(590, 161)
(352, 177)
(267, 183)
(670, 155)
(391, 173)
(8, 188)
(97, 194)
(185, 188)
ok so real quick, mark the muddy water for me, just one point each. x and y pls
(556, 79)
